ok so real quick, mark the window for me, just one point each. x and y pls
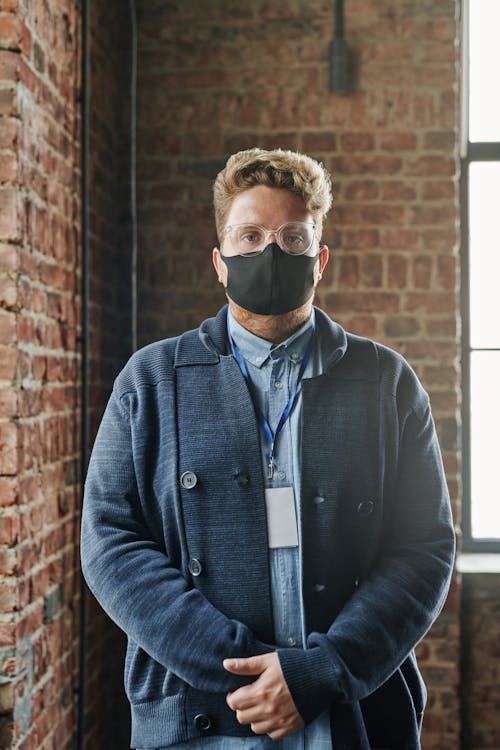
(480, 190)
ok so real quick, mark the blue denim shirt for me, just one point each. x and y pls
(273, 373)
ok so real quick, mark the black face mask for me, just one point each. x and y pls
(271, 283)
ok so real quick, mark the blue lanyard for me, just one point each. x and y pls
(270, 435)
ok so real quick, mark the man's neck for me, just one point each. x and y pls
(273, 328)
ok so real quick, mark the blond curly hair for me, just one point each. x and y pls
(291, 170)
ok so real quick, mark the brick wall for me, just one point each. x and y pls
(216, 77)
(213, 77)
(39, 372)
(480, 685)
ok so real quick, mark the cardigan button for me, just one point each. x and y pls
(241, 480)
(366, 508)
(202, 722)
(318, 588)
(318, 500)
(188, 480)
(195, 567)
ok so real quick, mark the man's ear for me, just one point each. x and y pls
(220, 266)
(324, 254)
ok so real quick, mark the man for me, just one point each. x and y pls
(265, 511)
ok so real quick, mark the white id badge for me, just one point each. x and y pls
(281, 518)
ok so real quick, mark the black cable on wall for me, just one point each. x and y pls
(84, 432)
(133, 181)
(84, 337)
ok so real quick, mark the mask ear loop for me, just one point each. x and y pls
(217, 247)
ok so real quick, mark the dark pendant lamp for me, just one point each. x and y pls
(339, 79)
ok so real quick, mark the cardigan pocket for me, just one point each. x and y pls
(145, 680)
(393, 713)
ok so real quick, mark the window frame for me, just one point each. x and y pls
(476, 152)
(471, 151)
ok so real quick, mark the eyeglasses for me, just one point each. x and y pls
(294, 238)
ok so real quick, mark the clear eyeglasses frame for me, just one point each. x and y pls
(249, 240)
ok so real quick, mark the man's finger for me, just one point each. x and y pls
(242, 698)
(252, 665)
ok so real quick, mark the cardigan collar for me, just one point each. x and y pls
(211, 342)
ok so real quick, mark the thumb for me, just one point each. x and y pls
(252, 665)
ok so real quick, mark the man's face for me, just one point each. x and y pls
(269, 207)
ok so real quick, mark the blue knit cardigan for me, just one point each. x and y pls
(175, 477)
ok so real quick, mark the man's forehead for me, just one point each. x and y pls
(261, 204)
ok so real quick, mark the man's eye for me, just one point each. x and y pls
(250, 237)
(293, 239)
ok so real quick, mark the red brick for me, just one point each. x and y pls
(398, 141)
(8, 292)
(367, 164)
(318, 142)
(439, 141)
(432, 350)
(9, 133)
(23, 364)
(371, 270)
(7, 327)
(431, 166)
(8, 402)
(439, 190)
(29, 402)
(363, 302)
(8, 167)
(446, 403)
(433, 214)
(442, 239)
(362, 325)
(357, 142)
(26, 329)
(447, 271)
(400, 239)
(371, 214)
(438, 375)
(8, 361)
(9, 529)
(8, 95)
(7, 634)
(398, 191)
(360, 239)
(401, 327)
(28, 263)
(362, 190)
(431, 302)
(349, 271)
(10, 31)
(397, 271)
(442, 327)
(422, 271)
(8, 491)
(9, 229)
(8, 594)
(29, 489)
(9, 65)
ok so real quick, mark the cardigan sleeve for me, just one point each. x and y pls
(399, 599)
(134, 580)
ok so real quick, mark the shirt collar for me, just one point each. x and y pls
(257, 350)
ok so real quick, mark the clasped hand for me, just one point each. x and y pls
(265, 704)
